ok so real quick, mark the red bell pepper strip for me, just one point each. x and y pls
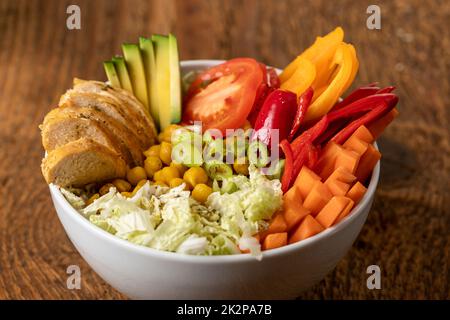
(303, 103)
(261, 95)
(288, 165)
(359, 93)
(276, 114)
(273, 81)
(362, 106)
(372, 115)
(310, 135)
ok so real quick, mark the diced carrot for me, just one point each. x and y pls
(347, 159)
(336, 187)
(325, 164)
(278, 224)
(305, 181)
(356, 144)
(342, 174)
(306, 229)
(293, 213)
(363, 134)
(345, 212)
(356, 192)
(293, 194)
(378, 126)
(368, 161)
(332, 210)
(275, 240)
(317, 198)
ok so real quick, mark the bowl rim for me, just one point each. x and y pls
(236, 258)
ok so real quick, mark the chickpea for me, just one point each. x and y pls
(160, 183)
(139, 185)
(151, 165)
(241, 166)
(92, 198)
(153, 151)
(175, 182)
(165, 154)
(195, 175)
(105, 189)
(201, 192)
(180, 167)
(169, 173)
(122, 185)
(168, 131)
(163, 137)
(136, 174)
(127, 194)
(247, 125)
(157, 176)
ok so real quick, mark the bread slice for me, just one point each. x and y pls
(109, 107)
(82, 162)
(133, 108)
(126, 141)
(61, 130)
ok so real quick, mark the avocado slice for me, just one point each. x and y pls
(111, 73)
(162, 79)
(175, 81)
(148, 57)
(168, 86)
(135, 66)
(122, 72)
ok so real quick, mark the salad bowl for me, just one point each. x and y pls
(145, 273)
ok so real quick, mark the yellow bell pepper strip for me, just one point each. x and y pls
(319, 53)
(302, 78)
(355, 67)
(323, 104)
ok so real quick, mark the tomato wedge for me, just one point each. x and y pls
(222, 96)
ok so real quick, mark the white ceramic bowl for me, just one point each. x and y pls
(144, 273)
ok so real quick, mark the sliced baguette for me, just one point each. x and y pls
(82, 162)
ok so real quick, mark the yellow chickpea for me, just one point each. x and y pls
(151, 165)
(165, 153)
(127, 194)
(175, 182)
(195, 175)
(163, 137)
(122, 185)
(136, 174)
(139, 185)
(153, 151)
(105, 189)
(201, 192)
(92, 198)
(247, 125)
(157, 176)
(168, 131)
(160, 183)
(180, 167)
(241, 166)
(169, 173)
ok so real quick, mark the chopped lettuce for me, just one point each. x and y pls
(171, 220)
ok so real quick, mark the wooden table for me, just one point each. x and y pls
(407, 232)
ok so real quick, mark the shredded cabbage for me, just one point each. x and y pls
(171, 220)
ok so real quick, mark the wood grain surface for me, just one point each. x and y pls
(407, 232)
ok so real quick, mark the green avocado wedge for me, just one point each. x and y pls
(111, 73)
(167, 80)
(135, 66)
(175, 81)
(148, 57)
(122, 72)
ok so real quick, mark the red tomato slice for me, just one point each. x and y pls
(223, 96)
